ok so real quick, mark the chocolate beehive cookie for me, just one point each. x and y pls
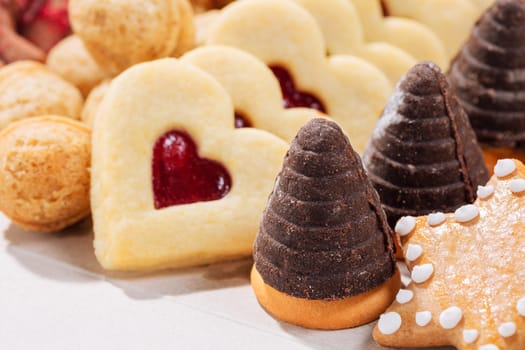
(423, 155)
(487, 75)
(324, 252)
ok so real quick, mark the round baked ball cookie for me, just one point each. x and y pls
(121, 33)
(44, 172)
(29, 89)
(71, 60)
(93, 101)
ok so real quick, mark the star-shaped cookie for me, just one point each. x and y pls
(467, 273)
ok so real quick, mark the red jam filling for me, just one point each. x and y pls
(241, 121)
(180, 176)
(291, 96)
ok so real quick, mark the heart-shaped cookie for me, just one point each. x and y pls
(254, 90)
(168, 105)
(358, 28)
(283, 34)
(451, 20)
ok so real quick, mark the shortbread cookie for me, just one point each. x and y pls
(173, 183)
(121, 33)
(70, 59)
(487, 76)
(423, 155)
(467, 273)
(254, 90)
(324, 253)
(286, 37)
(411, 36)
(451, 20)
(44, 172)
(341, 28)
(29, 89)
(93, 101)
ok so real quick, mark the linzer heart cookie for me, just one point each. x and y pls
(341, 28)
(451, 20)
(486, 76)
(324, 252)
(411, 36)
(467, 273)
(173, 183)
(423, 155)
(286, 37)
(254, 90)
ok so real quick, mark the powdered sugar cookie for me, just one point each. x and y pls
(286, 37)
(120, 33)
(411, 36)
(176, 184)
(254, 90)
(467, 272)
(451, 20)
(29, 89)
(70, 59)
(44, 172)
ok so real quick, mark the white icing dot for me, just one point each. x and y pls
(423, 318)
(389, 323)
(435, 219)
(405, 225)
(414, 251)
(449, 318)
(488, 347)
(404, 296)
(521, 306)
(504, 167)
(484, 192)
(507, 329)
(421, 273)
(466, 213)
(470, 335)
(517, 185)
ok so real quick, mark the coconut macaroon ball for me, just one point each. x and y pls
(44, 172)
(29, 89)
(121, 33)
(71, 60)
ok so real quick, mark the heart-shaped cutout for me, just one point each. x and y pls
(180, 176)
(293, 98)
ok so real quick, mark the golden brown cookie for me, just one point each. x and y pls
(44, 172)
(93, 102)
(121, 33)
(29, 89)
(70, 59)
(467, 273)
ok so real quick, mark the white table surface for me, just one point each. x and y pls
(54, 295)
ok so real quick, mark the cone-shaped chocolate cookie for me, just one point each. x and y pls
(423, 155)
(323, 236)
(488, 75)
